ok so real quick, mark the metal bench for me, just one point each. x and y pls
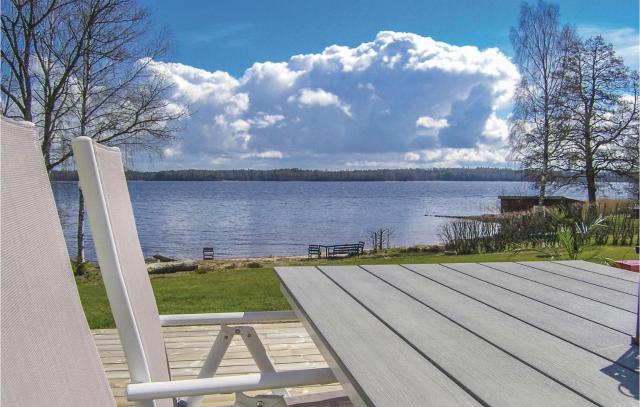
(354, 249)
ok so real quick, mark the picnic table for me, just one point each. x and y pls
(488, 334)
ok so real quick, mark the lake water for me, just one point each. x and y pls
(246, 219)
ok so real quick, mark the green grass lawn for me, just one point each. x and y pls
(257, 288)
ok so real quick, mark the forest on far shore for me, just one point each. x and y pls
(296, 174)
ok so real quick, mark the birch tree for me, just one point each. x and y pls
(601, 99)
(117, 100)
(537, 130)
(42, 45)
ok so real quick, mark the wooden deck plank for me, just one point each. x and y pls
(388, 371)
(601, 269)
(177, 373)
(246, 361)
(589, 335)
(606, 315)
(494, 375)
(546, 353)
(535, 272)
(614, 284)
(232, 354)
(186, 360)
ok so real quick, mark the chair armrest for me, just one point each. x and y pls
(229, 384)
(227, 318)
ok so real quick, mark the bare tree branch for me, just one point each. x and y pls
(601, 101)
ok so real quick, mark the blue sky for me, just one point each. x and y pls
(229, 37)
(232, 35)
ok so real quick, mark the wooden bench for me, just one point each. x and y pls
(354, 249)
(207, 253)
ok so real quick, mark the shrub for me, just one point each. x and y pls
(466, 236)
(469, 236)
(621, 223)
(569, 228)
(577, 227)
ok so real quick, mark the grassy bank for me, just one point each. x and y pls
(233, 285)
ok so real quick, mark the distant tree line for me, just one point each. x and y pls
(296, 174)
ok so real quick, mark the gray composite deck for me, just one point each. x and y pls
(490, 334)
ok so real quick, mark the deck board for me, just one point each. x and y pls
(583, 333)
(548, 354)
(382, 358)
(506, 334)
(614, 284)
(603, 314)
(601, 269)
(537, 273)
(495, 376)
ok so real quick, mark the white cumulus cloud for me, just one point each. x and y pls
(431, 123)
(318, 97)
(399, 98)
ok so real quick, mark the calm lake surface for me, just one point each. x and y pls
(246, 219)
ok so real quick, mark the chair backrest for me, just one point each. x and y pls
(124, 273)
(207, 253)
(47, 353)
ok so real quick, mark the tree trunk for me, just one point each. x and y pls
(164, 257)
(545, 152)
(589, 172)
(172, 266)
(543, 187)
(591, 187)
(80, 268)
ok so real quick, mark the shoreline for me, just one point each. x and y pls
(267, 261)
(417, 249)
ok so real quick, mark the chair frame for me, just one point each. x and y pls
(143, 390)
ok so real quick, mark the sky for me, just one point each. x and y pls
(352, 84)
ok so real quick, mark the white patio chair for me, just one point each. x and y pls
(133, 305)
(47, 353)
